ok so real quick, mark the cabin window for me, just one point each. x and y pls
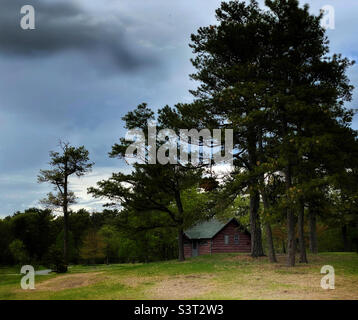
(203, 242)
(226, 239)
(236, 239)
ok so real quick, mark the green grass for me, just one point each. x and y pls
(220, 276)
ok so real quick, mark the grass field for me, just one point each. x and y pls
(221, 276)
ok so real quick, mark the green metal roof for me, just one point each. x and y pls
(206, 229)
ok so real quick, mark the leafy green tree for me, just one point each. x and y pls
(72, 249)
(18, 251)
(93, 247)
(34, 227)
(70, 161)
(5, 240)
(111, 238)
(342, 206)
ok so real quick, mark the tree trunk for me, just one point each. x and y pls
(271, 247)
(313, 231)
(269, 239)
(301, 233)
(291, 243)
(181, 244)
(65, 219)
(345, 238)
(180, 231)
(356, 238)
(255, 228)
(65, 238)
(283, 247)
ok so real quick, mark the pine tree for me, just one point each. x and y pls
(268, 75)
(71, 161)
(152, 194)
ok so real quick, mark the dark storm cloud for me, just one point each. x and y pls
(63, 26)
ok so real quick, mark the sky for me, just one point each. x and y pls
(89, 62)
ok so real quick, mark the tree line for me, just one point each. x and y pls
(36, 237)
(266, 73)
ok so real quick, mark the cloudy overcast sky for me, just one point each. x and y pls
(86, 64)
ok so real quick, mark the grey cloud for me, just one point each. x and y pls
(63, 26)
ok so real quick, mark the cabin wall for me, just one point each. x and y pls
(204, 246)
(231, 229)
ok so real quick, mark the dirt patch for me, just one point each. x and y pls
(70, 281)
(182, 287)
(268, 284)
(134, 282)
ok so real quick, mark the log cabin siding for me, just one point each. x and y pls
(187, 247)
(231, 229)
(204, 246)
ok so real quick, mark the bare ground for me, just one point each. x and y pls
(182, 287)
(70, 281)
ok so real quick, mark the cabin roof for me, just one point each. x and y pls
(206, 229)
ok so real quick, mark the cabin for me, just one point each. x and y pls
(214, 236)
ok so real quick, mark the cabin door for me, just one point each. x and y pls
(194, 250)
